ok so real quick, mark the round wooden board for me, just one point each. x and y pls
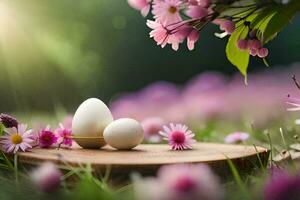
(148, 157)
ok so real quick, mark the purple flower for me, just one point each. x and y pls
(178, 136)
(17, 139)
(46, 177)
(236, 137)
(64, 136)
(8, 121)
(152, 126)
(282, 186)
(180, 182)
(46, 138)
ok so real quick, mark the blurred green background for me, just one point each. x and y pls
(58, 53)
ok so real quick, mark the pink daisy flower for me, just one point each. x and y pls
(17, 139)
(64, 135)
(236, 137)
(46, 138)
(141, 5)
(46, 177)
(167, 11)
(159, 33)
(178, 136)
(185, 181)
(152, 126)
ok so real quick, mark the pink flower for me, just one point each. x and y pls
(196, 12)
(152, 126)
(17, 139)
(263, 52)
(159, 33)
(254, 44)
(242, 44)
(192, 39)
(46, 138)
(281, 185)
(141, 5)
(236, 137)
(46, 177)
(178, 136)
(227, 26)
(167, 11)
(184, 181)
(67, 121)
(294, 102)
(180, 182)
(64, 136)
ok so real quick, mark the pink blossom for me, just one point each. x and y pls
(167, 11)
(159, 33)
(141, 5)
(227, 26)
(263, 52)
(152, 126)
(178, 136)
(236, 137)
(254, 44)
(46, 177)
(196, 12)
(242, 44)
(192, 38)
(67, 121)
(46, 138)
(17, 139)
(294, 102)
(253, 52)
(184, 181)
(64, 136)
(281, 185)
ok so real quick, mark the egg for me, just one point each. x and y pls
(124, 134)
(89, 121)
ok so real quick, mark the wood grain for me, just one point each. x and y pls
(147, 158)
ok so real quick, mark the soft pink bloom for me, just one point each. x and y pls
(46, 177)
(152, 126)
(253, 52)
(17, 139)
(178, 136)
(227, 26)
(282, 186)
(294, 102)
(180, 182)
(141, 5)
(67, 121)
(64, 136)
(236, 137)
(196, 12)
(254, 44)
(186, 181)
(167, 11)
(242, 44)
(263, 52)
(192, 39)
(159, 33)
(46, 138)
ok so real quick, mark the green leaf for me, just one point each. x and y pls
(278, 21)
(1, 129)
(238, 58)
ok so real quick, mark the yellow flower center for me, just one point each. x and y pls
(172, 9)
(16, 138)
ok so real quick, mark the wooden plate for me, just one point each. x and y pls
(147, 158)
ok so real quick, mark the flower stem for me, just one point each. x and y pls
(16, 167)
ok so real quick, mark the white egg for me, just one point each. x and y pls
(124, 134)
(89, 121)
